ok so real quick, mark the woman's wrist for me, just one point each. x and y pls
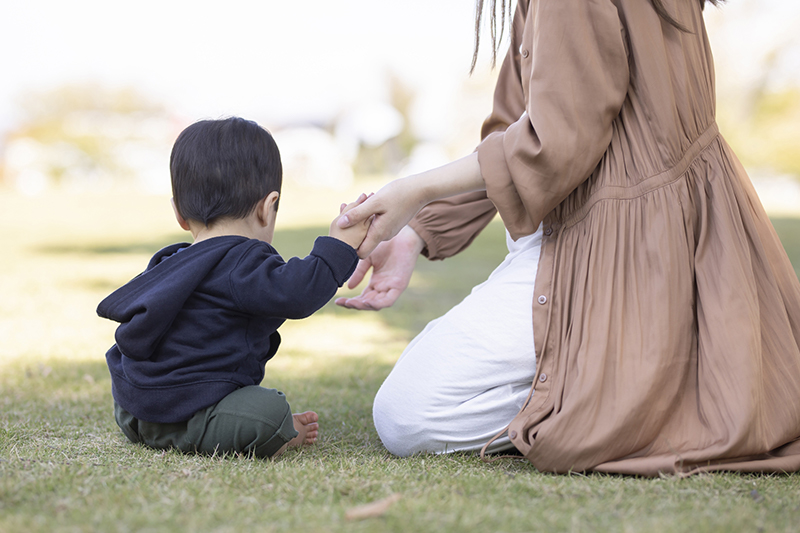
(462, 175)
(421, 189)
(411, 239)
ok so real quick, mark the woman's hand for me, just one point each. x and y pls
(392, 264)
(393, 206)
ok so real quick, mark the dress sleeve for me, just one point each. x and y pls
(448, 226)
(577, 78)
(509, 99)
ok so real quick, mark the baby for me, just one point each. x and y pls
(199, 324)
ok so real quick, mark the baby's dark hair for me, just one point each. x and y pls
(223, 168)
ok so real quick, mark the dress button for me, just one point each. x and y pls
(543, 377)
(548, 231)
(512, 434)
(524, 53)
(542, 299)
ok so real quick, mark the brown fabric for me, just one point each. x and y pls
(666, 313)
(450, 225)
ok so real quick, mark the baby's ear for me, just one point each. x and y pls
(267, 208)
(272, 199)
(181, 221)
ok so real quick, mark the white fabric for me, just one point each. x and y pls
(468, 373)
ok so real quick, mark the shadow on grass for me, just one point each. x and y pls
(436, 287)
(62, 398)
(147, 247)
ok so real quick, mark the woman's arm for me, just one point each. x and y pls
(395, 204)
(450, 225)
(575, 68)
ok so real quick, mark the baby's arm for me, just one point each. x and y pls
(353, 235)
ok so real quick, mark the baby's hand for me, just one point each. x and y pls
(354, 235)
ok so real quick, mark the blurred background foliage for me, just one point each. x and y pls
(766, 133)
(86, 137)
(91, 137)
(80, 134)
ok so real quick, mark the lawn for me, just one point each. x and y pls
(64, 466)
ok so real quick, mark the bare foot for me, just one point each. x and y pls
(307, 427)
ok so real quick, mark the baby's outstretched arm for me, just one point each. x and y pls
(354, 235)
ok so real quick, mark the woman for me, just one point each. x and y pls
(647, 318)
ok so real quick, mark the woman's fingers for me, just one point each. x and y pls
(371, 300)
(355, 279)
(376, 234)
(382, 299)
(358, 275)
(351, 218)
(354, 303)
(364, 207)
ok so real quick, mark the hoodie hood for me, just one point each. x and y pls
(146, 306)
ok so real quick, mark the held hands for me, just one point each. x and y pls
(398, 201)
(392, 262)
(354, 234)
(390, 209)
(382, 217)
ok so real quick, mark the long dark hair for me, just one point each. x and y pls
(664, 14)
(506, 13)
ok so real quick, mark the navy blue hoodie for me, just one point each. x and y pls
(202, 320)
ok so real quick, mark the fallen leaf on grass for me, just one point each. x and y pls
(371, 510)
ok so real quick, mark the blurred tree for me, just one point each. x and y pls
(389, 156)
(402, 97)
(756, 48)
(768, 136)
(84, 136)
(772, 137)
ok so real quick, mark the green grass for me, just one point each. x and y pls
(64, 466)
(788, 230)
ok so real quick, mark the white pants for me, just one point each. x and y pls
(468, 373)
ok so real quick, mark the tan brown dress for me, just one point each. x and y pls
(666, 314)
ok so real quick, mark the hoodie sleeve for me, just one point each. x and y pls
(263, 284)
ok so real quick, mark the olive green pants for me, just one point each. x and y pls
(251, 420)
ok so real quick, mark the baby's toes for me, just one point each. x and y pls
(309, 417)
